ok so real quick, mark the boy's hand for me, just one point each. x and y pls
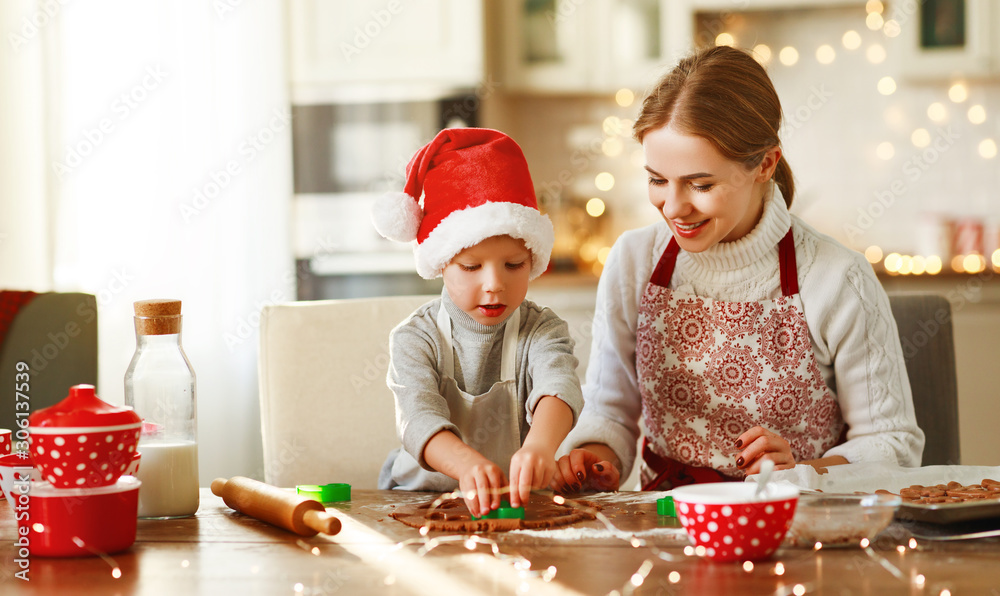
(481, 485)
(583, 469)
(531, 467)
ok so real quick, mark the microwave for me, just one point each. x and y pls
(344, 157)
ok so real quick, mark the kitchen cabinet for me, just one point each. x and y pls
(576, 46)
(378, 50)
(949, 39)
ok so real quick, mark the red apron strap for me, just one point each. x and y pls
(665, 267)
(786, 264)
(678, 474)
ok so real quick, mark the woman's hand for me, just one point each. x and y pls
(532, 466)
(758, 444)
(584, 469)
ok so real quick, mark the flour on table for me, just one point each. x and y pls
(594, 533)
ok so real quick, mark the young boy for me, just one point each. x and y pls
(484, 380)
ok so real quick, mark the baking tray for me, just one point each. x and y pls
(947, 513)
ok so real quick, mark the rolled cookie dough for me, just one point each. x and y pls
(451, 515)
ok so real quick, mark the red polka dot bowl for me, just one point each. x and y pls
(730, 523)
(83, 441)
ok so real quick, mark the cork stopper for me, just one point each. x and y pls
(158, 317)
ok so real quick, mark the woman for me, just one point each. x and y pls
(735, 330)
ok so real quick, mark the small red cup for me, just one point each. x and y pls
(81, 521)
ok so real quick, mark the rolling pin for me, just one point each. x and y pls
(275, 506)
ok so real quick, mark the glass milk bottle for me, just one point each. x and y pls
(160, 385)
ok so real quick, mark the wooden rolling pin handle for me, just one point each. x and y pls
(321, 521)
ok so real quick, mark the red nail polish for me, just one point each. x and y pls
(739, 462)
(739, 443)
(579, 476)
(599, 467)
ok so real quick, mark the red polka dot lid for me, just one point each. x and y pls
(83, 409)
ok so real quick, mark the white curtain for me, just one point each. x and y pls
(169, 166)
(25, 255)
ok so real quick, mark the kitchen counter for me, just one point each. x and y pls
(222, 551)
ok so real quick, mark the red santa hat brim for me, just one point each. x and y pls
(468, 227)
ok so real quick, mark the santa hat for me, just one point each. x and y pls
(475, 184)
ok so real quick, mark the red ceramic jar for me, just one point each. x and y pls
(83, 441)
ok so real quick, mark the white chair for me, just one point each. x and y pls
(326, 413)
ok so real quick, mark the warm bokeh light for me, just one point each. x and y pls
(987, 148)
(958, 263)
(595, 207)
(874, 21)
(748, 566)
(891, 28)
(851, 40)
(624, 97)
(995, 258)
(799, 590)
(612, 146)
(604, 181)
(974, 263)
(602, 255)
(958, 92)
(919, 265)
(825, 54)
(885, 151)
(674, 577)
(937, 112)
(779, 568)
(895, 116)
(596, 269)
(873, 254)
(920, 138)
(905, 265)
(788, 55)
(588, 251)
(763, 53)
(886, 86)
(725, 39)
(875, 54)
(977, 114)
(932, 267)
(892, 262)
(874, 6)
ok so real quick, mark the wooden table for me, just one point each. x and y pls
(224, 553)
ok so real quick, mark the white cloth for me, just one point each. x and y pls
(853, 334)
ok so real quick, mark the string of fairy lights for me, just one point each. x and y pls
(972, 257)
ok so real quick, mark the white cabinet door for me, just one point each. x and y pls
(414, 46)
(949, 40)
(591, 46)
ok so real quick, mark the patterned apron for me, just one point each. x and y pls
(489, 423)
(710, 370)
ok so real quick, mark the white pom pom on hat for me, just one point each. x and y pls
(397, 216)
(475, 184)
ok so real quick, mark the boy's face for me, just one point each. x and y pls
(489, 280)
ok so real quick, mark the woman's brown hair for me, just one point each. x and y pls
(725, 96)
